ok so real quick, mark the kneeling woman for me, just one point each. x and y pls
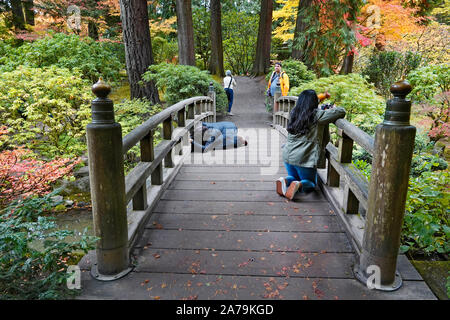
(304, 150)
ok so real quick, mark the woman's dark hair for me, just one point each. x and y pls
(303, 115)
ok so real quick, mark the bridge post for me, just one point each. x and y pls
(394, 144)
(212, 95)
(276, 95)
(107, 181)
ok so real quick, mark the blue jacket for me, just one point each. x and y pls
(218, 135)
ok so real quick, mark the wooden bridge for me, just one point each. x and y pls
(189, 226)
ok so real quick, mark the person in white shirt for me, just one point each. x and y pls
(228, 84)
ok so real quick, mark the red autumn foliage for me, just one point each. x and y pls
(22, 176)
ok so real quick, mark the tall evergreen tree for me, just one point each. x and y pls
(262, 58)
(29, 12)
(138, 47)
(300, 26)
(216, 62)
(18, 18)
(186, 49)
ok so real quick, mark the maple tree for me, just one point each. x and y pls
(329, 38)
(431, 42)
(286, 14)
(21, 175)
(388, 21)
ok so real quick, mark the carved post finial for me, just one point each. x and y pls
(398, 110)
(102, 107)
(401, 88)
(101, 89)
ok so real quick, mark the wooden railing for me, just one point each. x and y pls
(112, 192)
(371, 213)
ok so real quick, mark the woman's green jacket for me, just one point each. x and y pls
(308, 150)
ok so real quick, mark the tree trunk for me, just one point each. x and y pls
(29, 12)
(186, 49)
(216, 62)
(300, 27)
(138, 47)
(262, 58)
(92, 30)
(347, 66)
(18, 19)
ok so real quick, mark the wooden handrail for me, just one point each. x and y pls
(137, 134)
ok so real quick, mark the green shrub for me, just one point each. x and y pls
(179, 82)
(163, 50)
(201, 17)
(387, 67)
(34, 256)
(426, 162)
(131, 114)
(94, 59)
(46, 109)
(298, 73)
(279, 49)
(430, 93)
(352, 92)
(426, 223)
(239, 33)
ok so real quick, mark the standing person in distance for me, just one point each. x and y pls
(228, 84)
(304, 150)
(278, 76)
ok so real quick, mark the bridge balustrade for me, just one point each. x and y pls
(112, 191)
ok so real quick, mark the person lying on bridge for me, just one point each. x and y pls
(217, 135)
(304, 150)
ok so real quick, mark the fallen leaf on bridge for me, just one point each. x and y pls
(190, 298)
(157, 225)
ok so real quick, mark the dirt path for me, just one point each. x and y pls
(249, 104)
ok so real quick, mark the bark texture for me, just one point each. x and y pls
(18, 18)
(186, 53)
(300, 27)
(262, 58)
(138, 47)
(29, 13)
(216, 62)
